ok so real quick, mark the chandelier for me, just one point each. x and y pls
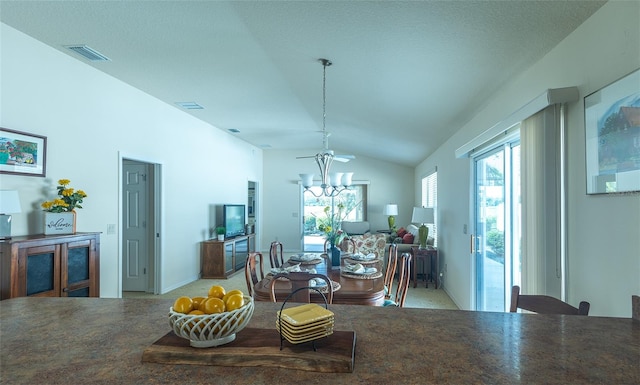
(331, 184)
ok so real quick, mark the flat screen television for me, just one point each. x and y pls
(233, 220)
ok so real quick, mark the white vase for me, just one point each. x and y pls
(60, 223)
(221, 237)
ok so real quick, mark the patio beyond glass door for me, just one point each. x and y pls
(496, 244)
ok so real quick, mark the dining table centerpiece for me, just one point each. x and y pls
(60, 212)
(331, 227)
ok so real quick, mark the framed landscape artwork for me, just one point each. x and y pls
(22, 153)
(612, 137)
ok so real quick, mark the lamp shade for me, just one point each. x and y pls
(307, 180)
(335, 179)
(9, 202)
(347, 179)
(391, 209)
(422, 215)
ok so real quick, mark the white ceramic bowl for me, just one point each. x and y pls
(204, 331)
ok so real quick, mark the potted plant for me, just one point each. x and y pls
(60, 212)
(220, 231)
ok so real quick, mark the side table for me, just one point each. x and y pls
(427, 254)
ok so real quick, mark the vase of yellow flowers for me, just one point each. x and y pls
(331, 227)
(60, 214)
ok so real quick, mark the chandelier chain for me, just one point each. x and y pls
(324, 97)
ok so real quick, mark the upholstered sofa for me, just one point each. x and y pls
(365, 241)
(407, 239)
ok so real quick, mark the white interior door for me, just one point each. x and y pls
(135, 234)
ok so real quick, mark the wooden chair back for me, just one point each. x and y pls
(275, 254)
(544, 304)
(390, 270)
(254, 260)
(300, 280)
(404, 275)
(348, 245)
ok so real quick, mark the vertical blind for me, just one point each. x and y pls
(430, 199)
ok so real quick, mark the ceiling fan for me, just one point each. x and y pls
(326, 153)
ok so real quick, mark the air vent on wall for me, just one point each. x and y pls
(87, 52)
(190, 105)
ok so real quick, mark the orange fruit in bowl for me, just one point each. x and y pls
(183, 304)
(230, 293)
(217, 291)
(212, 305)
(194, 323)
(235, 301)
(197, 301)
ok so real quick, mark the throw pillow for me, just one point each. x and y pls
(408, 238)
(413, 229)
(401, 232)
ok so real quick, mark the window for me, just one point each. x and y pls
(430, 199)
(354, 200)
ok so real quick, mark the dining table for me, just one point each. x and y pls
(103, 341)
(349, 288)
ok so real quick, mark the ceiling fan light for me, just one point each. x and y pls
(307, 180)
(347, 179)
(336, 179)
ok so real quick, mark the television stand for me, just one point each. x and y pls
(220, 259)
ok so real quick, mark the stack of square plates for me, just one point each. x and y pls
(304, 323)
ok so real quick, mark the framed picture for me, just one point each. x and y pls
(22, 153)
(612, 133)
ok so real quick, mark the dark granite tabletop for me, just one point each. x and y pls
(100, 341)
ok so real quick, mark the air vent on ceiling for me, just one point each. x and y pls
(87, 52)
(190, 105)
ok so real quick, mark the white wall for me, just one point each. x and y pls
(389, 183)
(603, 242)
(89, 118)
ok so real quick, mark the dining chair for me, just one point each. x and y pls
(390, 270)
(544, 304)
(301, 280)
(275, 254)
(348, 245)
(251, 272)
(404, 275)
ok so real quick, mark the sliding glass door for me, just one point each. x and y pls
(496, 244)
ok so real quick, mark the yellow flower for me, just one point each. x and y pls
(60, 202)
(68, 198)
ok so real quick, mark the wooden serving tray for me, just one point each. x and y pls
(260, 347)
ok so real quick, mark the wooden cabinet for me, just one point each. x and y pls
(222, 258)
(50, 266)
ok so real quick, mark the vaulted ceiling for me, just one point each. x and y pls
(405, 74)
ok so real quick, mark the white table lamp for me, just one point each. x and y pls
(391, 210)
(423, 216)
(9, 204)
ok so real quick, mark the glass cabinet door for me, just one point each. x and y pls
(228, 257)
(76, 282)
(42, 270)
